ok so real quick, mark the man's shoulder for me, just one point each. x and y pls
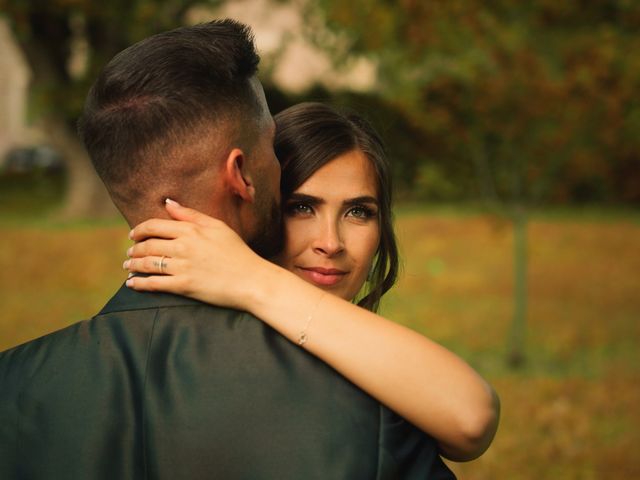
(125, 323)
(18, 354)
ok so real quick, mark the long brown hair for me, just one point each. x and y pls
(310, 135)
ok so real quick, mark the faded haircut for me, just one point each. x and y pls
(159, 96)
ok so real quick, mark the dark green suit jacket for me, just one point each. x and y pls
(161, 386)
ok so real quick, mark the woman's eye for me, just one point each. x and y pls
(361, 212)
(299, 209)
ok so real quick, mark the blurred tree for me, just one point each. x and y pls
(539, 99)
(66, 43)
(550, 81)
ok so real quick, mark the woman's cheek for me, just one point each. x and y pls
(294, 241)
(371, 240)
(367, 244)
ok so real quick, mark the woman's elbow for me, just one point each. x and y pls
(476, 430)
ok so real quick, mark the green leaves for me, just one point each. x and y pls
(528, 87)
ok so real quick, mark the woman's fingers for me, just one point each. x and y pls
(160, 228)
(155, 265)
(155, 247)
(156, 283)
(178, 212)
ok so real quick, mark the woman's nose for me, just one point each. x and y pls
(329, 241)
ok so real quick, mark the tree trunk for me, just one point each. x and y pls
(85, 197)
(516, 356)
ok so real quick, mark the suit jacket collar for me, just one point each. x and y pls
(127, 299)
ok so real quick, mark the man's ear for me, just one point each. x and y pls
(236, 177)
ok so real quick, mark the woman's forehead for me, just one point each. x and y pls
(349, 173)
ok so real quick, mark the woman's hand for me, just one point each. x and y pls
(194, 255)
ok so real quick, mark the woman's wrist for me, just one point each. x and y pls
(287, 303)
(264, 287)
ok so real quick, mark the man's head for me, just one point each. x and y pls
(182, 115)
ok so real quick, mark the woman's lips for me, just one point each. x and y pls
(323, 276)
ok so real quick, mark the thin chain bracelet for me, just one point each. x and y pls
(303, 337)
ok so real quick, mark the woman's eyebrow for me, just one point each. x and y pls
(313, 200)
(362, 199)
(301, 197)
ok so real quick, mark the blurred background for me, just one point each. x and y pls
(514, 134)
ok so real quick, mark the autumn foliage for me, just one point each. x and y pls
(533, 101)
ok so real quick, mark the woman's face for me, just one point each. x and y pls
(331, 226)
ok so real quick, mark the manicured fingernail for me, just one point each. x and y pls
(171, 202)
(131, 234)
(131, 274)
(129, 282)
(129, 251)
(125, 265)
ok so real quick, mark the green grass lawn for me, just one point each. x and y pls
(571, 412)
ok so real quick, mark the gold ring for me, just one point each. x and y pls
(162, 264)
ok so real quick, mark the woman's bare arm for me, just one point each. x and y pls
(422, 381)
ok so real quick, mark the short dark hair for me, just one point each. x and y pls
(310, 135)
(156, 93)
